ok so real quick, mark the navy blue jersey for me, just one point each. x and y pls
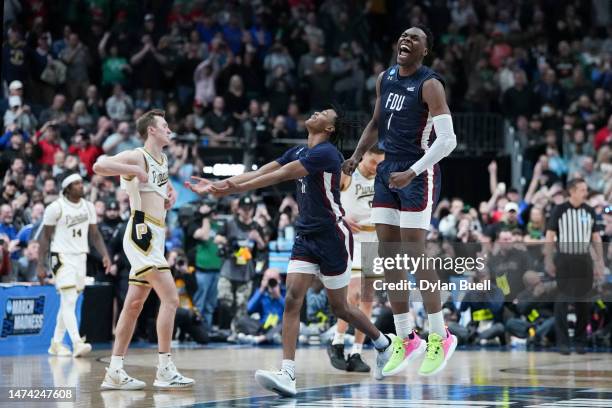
(318, 193)
(405, 128)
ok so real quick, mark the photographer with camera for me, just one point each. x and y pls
(239, 240)
(269, 303)
(207, 260)
(188, 320)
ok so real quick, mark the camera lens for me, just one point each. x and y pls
(272, 283)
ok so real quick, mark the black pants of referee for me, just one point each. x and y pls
(574, 282)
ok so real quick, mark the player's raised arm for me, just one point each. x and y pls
(202, 186)
(129, 163)
(369, 136)
(290, 171)
(446, 141)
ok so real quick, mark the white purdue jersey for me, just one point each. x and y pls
(356, 200)
(158, 176)
(71, 221)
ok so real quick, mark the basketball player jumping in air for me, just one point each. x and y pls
(144, 175)
(413, 126)
(68, 224)
(356, 194)
(323, 244)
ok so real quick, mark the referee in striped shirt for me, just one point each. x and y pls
(572, 226)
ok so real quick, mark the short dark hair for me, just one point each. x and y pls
(148, 119)
(573, 183)
(428, 34)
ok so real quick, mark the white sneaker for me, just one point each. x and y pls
(279, 382)
(169, 377)
(119, 380)
(58, 349)
(382, 357)
(79, 349)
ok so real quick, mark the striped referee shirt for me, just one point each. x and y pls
(574, 227)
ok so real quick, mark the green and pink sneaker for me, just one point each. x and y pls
(404, 351)
(439, 351)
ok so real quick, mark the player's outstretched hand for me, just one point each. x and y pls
(225, 188)
(401, 179)
(349, 165)
(201, 187)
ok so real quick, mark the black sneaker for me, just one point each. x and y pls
(564, 350)
(580, 349)
(336, 356)
(355, 363)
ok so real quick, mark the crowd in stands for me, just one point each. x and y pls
(76, 74)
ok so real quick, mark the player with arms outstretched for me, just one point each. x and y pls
(323, 244)
(413, 126)
(144, 175)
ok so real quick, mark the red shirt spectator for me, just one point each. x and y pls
(604, 135)
(87, 152)
(49, 145)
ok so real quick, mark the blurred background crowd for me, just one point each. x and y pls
(243, 76)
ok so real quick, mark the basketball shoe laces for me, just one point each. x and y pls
(434, 347)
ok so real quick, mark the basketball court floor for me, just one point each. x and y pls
(224, 378)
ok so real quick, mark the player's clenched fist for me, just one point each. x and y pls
(349, 165)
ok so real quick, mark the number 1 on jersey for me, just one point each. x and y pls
(389, 121)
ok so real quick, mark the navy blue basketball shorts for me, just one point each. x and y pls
(327, 255)
(411, 206)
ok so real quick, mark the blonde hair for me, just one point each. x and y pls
(148, 119)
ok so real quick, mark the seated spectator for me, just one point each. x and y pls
(19, 115)
(121, 141)
(56, 112)
(534, 318)
(119, 106)
(24, 270)
(486, 309)
(83, 118)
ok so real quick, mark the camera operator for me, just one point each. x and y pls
(239, 240)
(269, 302)
(188, 319)
(206, 259)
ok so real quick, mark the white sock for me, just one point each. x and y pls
(338, 338)
(60, 328)
(116, 362)
(289, 367)
(436, 324)
(404, 324)
(382, 342)
(68, 299)
(164, 359)
(357, 347)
